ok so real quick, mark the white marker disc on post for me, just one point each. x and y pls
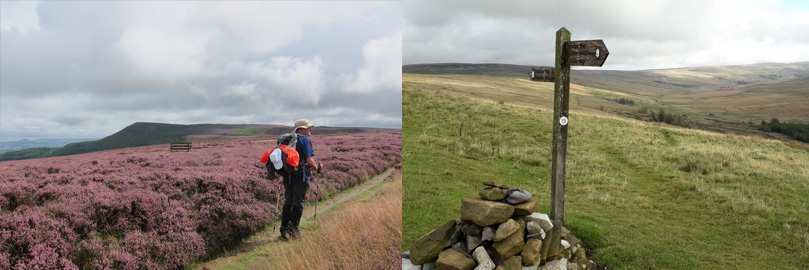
(563, 121)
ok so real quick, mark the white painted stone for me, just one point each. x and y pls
(543, 219)
(483, 259)
(565, 244)
(533, 227)
(408, 265)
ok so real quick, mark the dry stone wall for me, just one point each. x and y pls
(499, 230)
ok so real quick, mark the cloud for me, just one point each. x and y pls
(87, 69)
(640, 34)
(162, 52)
(19, 16)
(375, 72)
(299, 80)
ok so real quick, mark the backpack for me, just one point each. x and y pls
(283, 159)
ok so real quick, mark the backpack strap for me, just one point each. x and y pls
(288, 139)
(294, 141)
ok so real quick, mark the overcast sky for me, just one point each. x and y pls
(640, 34)
(88, 69)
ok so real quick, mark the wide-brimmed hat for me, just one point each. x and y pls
(303, 123)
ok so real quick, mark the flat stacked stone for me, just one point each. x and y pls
(427, 248)
(500, 230)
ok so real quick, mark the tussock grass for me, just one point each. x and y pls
(644, 195)
(359, 235)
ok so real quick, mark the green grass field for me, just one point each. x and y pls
(642, 195)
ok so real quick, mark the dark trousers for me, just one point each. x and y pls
(294, 193)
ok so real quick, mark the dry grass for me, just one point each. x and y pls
(784, 100)
(364, 234)
(643, 195)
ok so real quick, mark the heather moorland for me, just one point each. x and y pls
(148, 208)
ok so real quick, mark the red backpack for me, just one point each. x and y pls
(289, 156)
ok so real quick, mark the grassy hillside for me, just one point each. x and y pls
(142, 133)
(785, 100)
(653, 82)
(523, 92)
(642, 195)
(691, 79)
(714, 96)
(469, 69)
(735, 110)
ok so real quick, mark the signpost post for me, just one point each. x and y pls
(568, 53)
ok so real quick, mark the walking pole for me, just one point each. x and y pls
(277, 203)
(317, 201)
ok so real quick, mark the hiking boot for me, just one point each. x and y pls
(294, 234)
(283, 237)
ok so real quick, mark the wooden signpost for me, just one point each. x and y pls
(568, 53)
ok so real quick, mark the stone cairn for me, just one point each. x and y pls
(498, 231)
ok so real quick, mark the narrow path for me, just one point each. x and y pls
(234, 259)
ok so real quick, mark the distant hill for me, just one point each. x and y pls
(144, 133)
(782, 99)
(646, 82)
(469, 69)
(6, 146)
(691, 79)
(740, 110)
(722, 98)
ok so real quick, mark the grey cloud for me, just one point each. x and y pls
(640, 34)
(90, 68)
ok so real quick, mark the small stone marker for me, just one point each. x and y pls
(513, 241)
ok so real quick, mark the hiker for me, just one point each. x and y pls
(297, 183)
